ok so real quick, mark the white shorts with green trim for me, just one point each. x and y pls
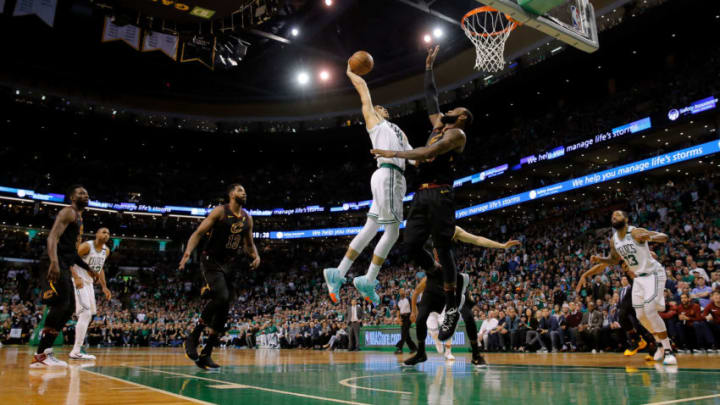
(649, 289)
(388, 190)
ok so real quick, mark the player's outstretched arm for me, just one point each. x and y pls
(643, 235)
(249, 245)
(466, 237)
(594, 270)
(612, 259)
(413, 301)
(453, 139)
(205, 226)
(371, 118)
(431, 92)
(103, 283)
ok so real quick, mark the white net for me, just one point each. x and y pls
(488, 29)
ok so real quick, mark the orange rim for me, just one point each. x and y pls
(487, 9)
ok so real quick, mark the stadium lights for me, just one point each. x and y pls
(324, 75)
(303, 78)
(438, 32)
(427, 38)
(328, 3)
(295, 32)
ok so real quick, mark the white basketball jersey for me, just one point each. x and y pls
(389, 136)
(96, 259)
(636, 255)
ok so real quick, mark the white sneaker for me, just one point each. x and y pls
(449, 356)
(698, 351)
(659, 354)
(81, 356)
(670, 359)
(46, 359)
(594, 351)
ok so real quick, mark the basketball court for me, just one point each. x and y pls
(164, 376)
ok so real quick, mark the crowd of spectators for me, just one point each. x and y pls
(542, 108)
(525, 297)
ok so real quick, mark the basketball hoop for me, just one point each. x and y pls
(488, 29)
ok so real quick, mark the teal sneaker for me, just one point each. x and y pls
(334, 282)
(367, 289)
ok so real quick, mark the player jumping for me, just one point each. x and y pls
(388, 190)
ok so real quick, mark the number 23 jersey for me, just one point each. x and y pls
(636, 255)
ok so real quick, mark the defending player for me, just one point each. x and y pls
(432, 301)
(433, 207)
(94, 253)
(230, 228)
(388, 190)
(62, 252)
(630, 244)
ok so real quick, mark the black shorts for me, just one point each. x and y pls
(432, 214)
(217, 278)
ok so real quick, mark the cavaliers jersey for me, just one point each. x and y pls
(440, 169)
(388, 136)
(68, 241)
(226, 236)
(636, 255)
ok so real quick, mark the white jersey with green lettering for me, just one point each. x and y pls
(635, 254)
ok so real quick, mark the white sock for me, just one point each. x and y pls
(666, 344)
(344, 266)
(81, 329)
(373, 272)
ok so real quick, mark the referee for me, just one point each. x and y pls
(404, 307)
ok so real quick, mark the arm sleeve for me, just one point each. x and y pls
(431, 93)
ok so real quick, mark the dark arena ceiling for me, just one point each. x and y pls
(70, 58)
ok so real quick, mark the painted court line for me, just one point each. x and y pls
(346, 382)
(225, 383)
(172, 394)
(677, 401)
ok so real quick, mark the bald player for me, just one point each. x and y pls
(94, 253)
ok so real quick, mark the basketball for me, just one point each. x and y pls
(361, 63)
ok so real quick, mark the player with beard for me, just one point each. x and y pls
(433, 207)
(630, 244)
(230, 228)
(62, 251)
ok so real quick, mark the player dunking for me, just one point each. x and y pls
(630, 245)
(230, 228)
(62, 252)
(388, 190)
(432, 301)
(433, 208)
(94, 253)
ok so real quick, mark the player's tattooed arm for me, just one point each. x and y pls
(204, 227)
(369, 114)
(643, 235)
(249, 245)
(453, 139)
(431, 92)
(613, 259)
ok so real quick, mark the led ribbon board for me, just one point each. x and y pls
(640, 166)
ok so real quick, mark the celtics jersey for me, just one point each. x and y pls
(635, 254)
